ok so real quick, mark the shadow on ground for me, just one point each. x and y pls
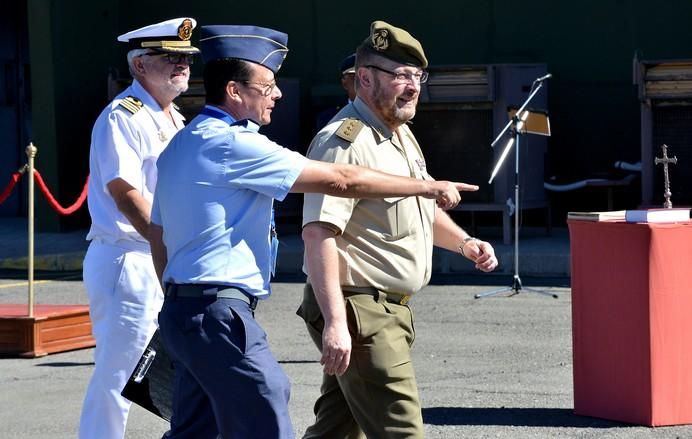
(521, 417)
(66, 364)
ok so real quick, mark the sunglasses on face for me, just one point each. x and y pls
(174, 58)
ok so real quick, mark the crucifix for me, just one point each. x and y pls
(666, 182)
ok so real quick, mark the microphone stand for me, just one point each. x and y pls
(516, 124)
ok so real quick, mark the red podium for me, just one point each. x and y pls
(632, 321)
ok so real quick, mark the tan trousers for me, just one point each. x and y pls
(377, 397)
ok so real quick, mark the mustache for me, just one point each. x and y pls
(411, 92)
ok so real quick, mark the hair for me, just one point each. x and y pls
(219, 72)
(364, 57)
(131, 55)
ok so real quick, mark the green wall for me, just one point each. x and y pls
(71, 49)
(588, 46)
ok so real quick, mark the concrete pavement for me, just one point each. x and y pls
(487, 368)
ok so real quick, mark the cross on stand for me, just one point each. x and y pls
(666, 182)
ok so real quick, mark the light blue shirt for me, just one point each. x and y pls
(217, 181)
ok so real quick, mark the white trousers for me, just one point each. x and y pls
(124, 300)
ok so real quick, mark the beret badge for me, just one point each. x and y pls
(380, 39)
(185, 30)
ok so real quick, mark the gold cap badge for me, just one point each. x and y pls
(185, 30)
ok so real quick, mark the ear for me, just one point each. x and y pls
(138, 65)
(232, 91)
(364, 77)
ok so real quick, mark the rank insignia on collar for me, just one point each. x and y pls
(162, 136)
(185, 30)
(421, 164)
(380, 39)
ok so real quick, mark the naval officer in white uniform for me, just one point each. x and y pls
(127, 138)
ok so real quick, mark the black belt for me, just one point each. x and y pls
(401, 299)
(210, 290)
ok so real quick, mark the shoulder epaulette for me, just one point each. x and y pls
(131, 104)
(349, 129)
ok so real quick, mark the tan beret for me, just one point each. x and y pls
(396, 44)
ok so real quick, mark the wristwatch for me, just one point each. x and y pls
(463, 244)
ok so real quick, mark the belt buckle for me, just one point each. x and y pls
(404, 300)
(253, 303)
(210, 291)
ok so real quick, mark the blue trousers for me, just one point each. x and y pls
(228, 383)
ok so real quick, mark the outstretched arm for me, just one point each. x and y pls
(352, 181)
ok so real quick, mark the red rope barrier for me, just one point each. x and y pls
(53, 202)
(8, 190)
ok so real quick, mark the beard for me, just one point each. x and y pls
(387, 106)
(178, 84)
(171, 82)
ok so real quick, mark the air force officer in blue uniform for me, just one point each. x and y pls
(213, 244)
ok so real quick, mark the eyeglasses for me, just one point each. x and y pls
(418, 77)
(266, 88)
(174, 58)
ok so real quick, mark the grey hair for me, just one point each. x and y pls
(131, 55)
(364, 56)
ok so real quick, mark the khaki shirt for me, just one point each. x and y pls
(384, 243)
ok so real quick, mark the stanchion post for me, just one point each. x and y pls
(31, 151)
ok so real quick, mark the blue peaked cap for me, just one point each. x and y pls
(250, 43)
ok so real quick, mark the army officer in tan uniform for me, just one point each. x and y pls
(366, 258)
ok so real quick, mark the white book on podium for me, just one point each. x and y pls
(663, 215)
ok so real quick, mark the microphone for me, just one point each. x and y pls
(544, 77)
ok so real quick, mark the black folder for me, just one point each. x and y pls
(151, 383)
